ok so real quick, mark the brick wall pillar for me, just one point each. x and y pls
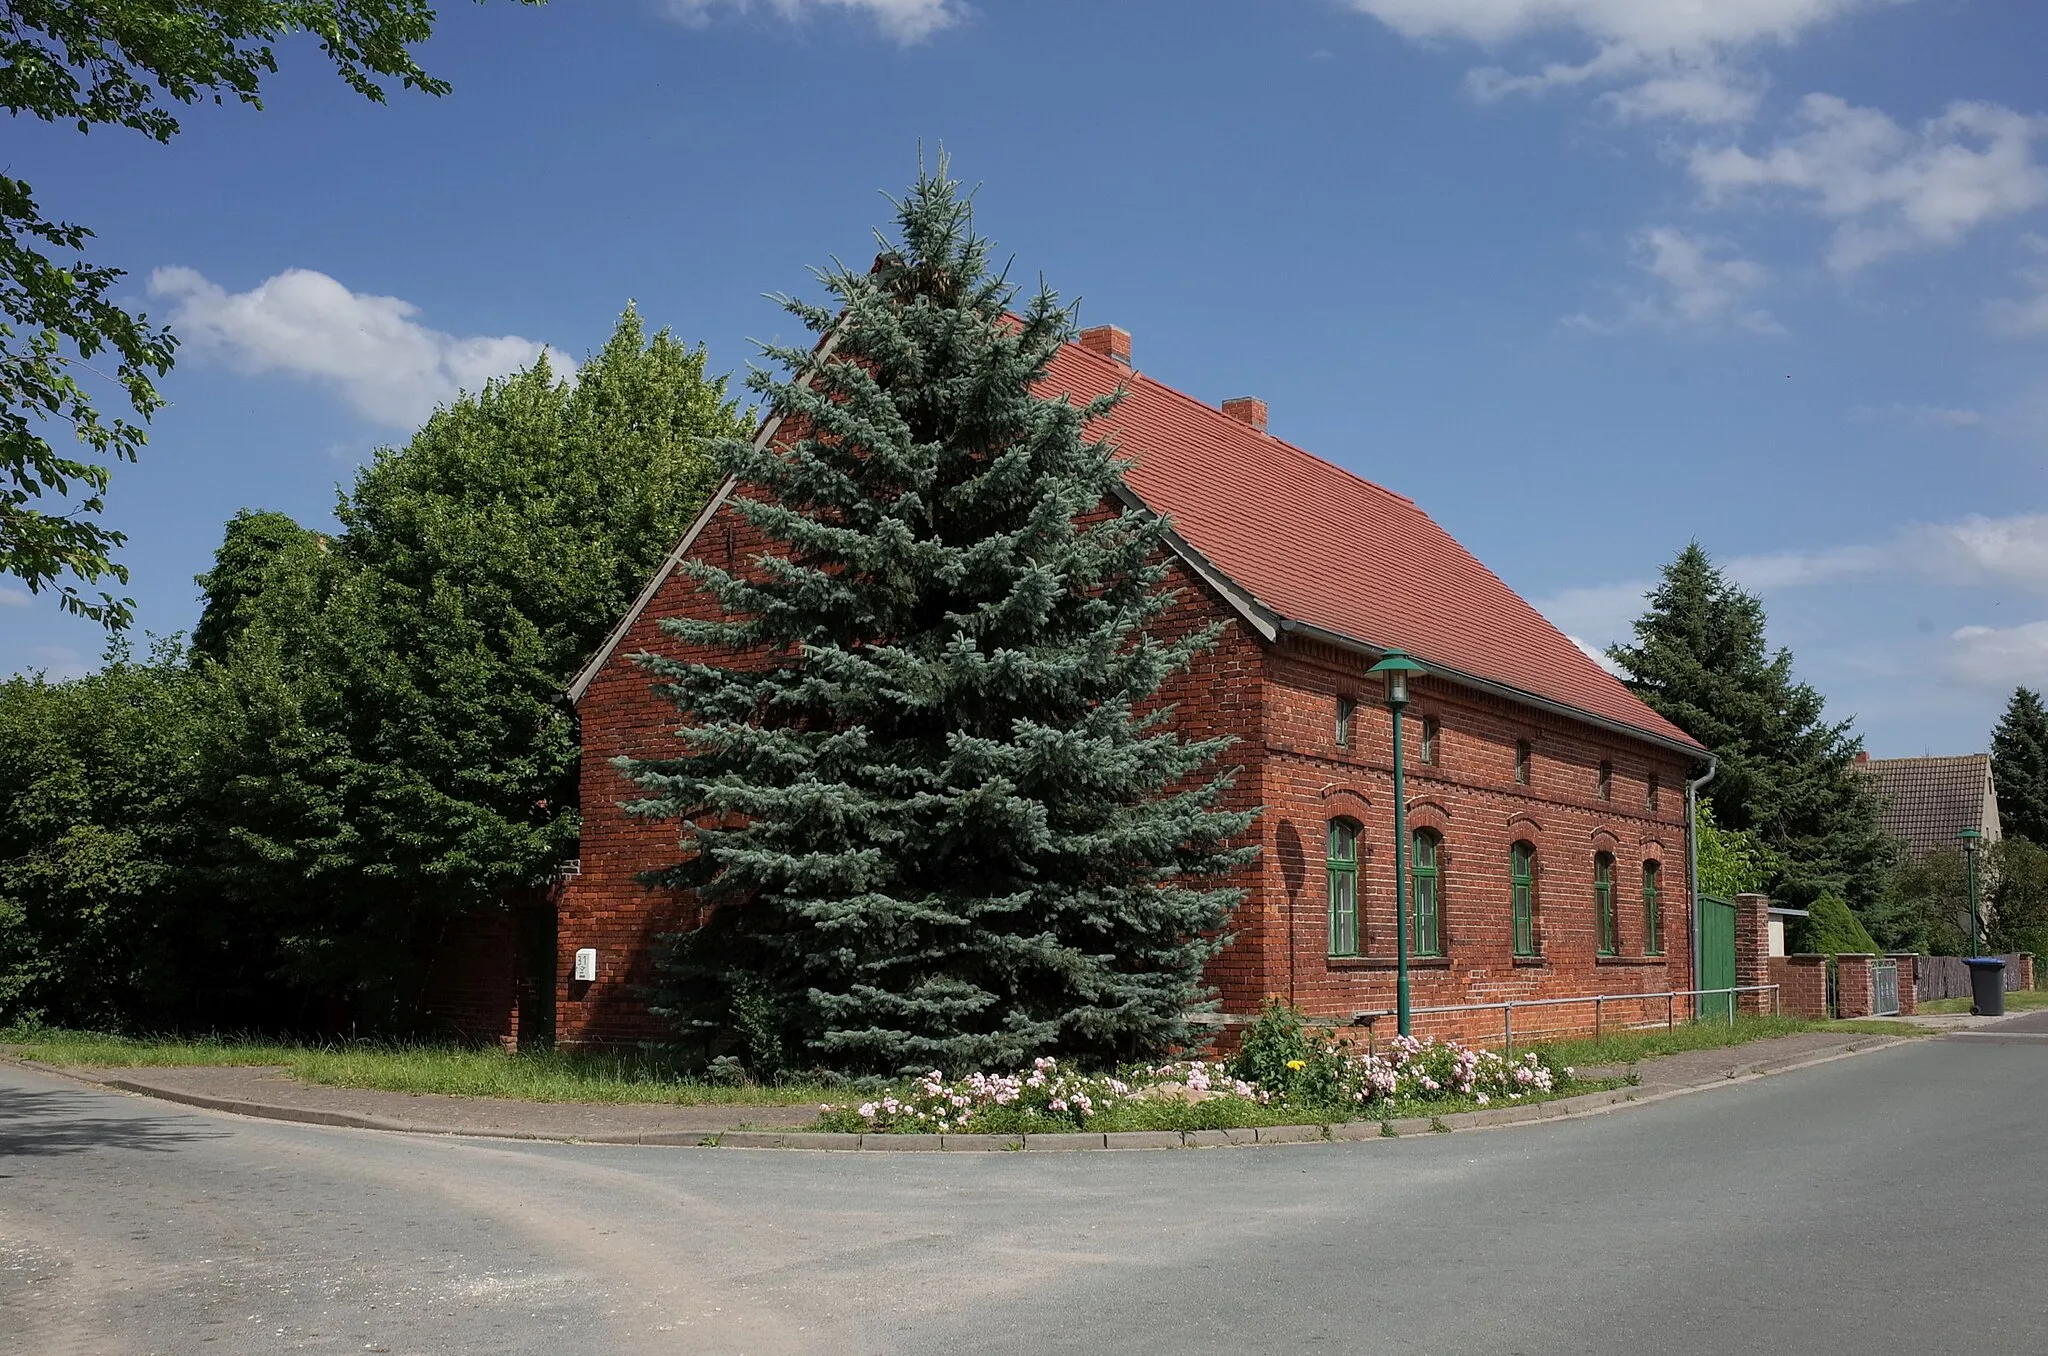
(1752, 950)
(1802, 985)
(1909, 981)
(2026, 969)
(1854, 990)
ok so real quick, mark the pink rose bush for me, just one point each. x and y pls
(1320, 1077)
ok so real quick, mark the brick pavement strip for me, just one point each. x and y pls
(268, 1094)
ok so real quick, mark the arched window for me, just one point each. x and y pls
(1522, 868)
(1605, 923)
(1342, 861)
(1653, 922)
(1425, 936)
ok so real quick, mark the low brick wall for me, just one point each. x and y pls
(1802, 985)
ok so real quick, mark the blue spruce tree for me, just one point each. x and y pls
(944, 825)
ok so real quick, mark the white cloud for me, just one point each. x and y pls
(1981, 550)
(1672, 58)
(12, 597)
(1976, 551)
(389, 367)
(1603, 610)
(1801, 569)
(1598, 656)
(2027, 316)
(1998, 658)
(904, 20)
(1919, 416)
(1702, 284)
(58, 662)
(1889, 188)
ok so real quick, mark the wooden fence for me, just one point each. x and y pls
(1948, 977)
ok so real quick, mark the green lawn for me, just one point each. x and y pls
(532, 1076)
(1630, 1046)
(2018, 1000)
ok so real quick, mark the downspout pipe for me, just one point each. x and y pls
(1692, 860)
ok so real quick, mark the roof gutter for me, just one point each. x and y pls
(1692, 860)
(1503, 690)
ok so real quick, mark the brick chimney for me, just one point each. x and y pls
(1109, 341)
(1247, 410)
(1862, 755)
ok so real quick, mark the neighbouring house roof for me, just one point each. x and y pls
(1300, 545)
(1928, 801)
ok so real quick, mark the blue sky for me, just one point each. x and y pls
(1586, 278)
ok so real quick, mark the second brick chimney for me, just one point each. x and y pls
(1248, 410)
(1109, 341)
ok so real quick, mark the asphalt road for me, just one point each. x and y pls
(1888, 1203)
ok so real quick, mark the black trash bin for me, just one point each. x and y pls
(1987, 985)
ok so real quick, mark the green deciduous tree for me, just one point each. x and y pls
(2019, 898)
(392, 748)
(2019, 767)
(935, 824)
(1701, 660)
(125, 63)
(96, 838)
(1731, 861)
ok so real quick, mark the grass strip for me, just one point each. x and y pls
(1629, 1047)
(534, 1076)
(2016, 1000)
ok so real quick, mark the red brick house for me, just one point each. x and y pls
(1548, 804)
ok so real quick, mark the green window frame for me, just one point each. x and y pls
(1603, 785)
(1347, 710)
(1341, 861)
(1605, 922)
(1432, 738)
(1522, 871)
(1425, 900)
(1653, 922)
(1525, 758)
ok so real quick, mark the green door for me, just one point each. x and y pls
(1717, 958)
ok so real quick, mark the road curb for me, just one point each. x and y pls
(1493, 1118)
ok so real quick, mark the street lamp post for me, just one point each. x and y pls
(1970, 838)
(1396, 665)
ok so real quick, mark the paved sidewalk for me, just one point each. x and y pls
(269, 1093)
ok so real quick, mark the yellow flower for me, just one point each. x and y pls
(1297, 1064)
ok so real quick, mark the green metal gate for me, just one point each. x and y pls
(1717, 958)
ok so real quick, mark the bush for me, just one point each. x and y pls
(1831, 929)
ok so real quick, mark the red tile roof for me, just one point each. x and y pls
(1316, 544)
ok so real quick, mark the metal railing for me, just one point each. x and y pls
(1507, 1008)
(1884, 988)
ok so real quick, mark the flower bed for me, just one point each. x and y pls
(1285, 1074)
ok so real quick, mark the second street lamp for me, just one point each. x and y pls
(1970, 838)
(1396, 666)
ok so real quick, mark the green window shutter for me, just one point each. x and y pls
(1653, 923)
(1342, 861)
(1522, 861)
(1603, 903)
(1426, 906)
